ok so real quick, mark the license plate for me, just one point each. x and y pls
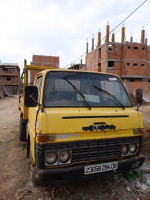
(92, 169)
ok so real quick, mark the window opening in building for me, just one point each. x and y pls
(149, 80)
(128, 63)
(128, 47)
(99, 52)
(135, 47)
(132, 79)
(134, 64)
(5, 69)
(110, 47)
(8, 78)
(110, 63)
(142, 64)
(143, 48)
(99, 67)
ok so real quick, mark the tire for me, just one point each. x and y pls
(22, 129)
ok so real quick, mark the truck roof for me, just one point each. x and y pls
(43, 72)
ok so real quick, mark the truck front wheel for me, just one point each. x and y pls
(22, 129)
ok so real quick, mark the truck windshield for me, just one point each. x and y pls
(60, 93)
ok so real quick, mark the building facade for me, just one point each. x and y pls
(127, 59)
(9, 79)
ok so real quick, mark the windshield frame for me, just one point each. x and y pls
(85, 106)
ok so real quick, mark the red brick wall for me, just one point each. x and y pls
(36, 59)
(131, 70)
(14, 80)
(133, 86)
(116, 53)
(148, 53)
(138, 85)
(48, 61)
(92, 61)
(148, 59)
(54, 59)
(103, 58)
(103, 67)
(35, 63)
(33, 74)
(148, 69)
(132, 53)
(116, 69)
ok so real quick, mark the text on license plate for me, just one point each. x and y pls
(92, 169)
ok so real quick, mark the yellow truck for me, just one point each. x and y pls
(78, 125)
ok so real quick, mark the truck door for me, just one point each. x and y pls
(32, 112)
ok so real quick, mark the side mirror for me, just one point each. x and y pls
(139, 95)
(31, 96)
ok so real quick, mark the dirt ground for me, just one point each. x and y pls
(15, 182)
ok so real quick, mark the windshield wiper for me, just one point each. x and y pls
(78, 92)
(104, 91)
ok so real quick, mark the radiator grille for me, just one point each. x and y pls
(93, 150)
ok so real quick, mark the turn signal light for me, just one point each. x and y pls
(46, 138)
(139, 131)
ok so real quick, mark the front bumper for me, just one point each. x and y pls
(74, 173)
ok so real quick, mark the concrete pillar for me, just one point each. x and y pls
(92, 43)
(87, 47)
(131, 91)
(107, 34)
(113, 37)
(80, 64)
(123, 35)
(125, 83)
(145, 89)
(142, 36)
(99, 39)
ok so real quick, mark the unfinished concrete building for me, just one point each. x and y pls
(9, 79)
(129, 60)
(78, 66)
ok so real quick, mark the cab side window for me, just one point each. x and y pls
(38, 85)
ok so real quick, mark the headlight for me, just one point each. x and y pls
(51, 158)
(64, 156)
(133, 148)
(124, 150)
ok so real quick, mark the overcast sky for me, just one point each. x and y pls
(62, 27)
